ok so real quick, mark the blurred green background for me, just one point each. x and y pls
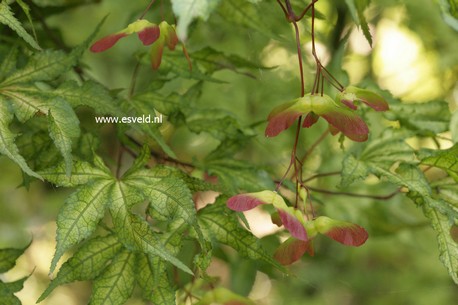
(414, 56)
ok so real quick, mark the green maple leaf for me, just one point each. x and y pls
(7, 18)
(220, 224)
(7, 145)
(8, 259)
(243, 13)
(440, 209)
(152, 275)
(19, 96)
(80, 215)
(187, 10)
(357, 8)
(89, 93)
(8, 64)
(87, 263)
(394, 149)
(235, 176)
(444, 159)
(137, 252)
(213, 60)
(170, 197)
(116, 284)
(454, 127)
(82, 173)
(137, 108)
(132, 230)
(63, 128)
(448, 247)
(154, 282)
(425, 119)
(7, 291)
(83, 209)
(450, 12)
(175, 64)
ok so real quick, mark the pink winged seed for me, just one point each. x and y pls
(310, 119)
(292, 250)
(352, 235)
(156, 57)
(351, 126)
(241, 203)
(293, 225)
(374, 101)
(280, 122)
(106, 42)
(349, 104)
(171, 39)
(149, 35)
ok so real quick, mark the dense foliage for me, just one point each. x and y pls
(256, 110)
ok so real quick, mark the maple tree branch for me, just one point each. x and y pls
(147, 9)
(133, 80)
(306, 10)
(321, 175)
(283, 8)
(159, 156)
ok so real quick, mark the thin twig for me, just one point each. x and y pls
(299, 56)
(133, 80)
(51, 34)
(147, 9)
(320, 176)
(332, 76)
(305, 10)
(293, 156)
(443, 138)
(314, 145)
(283, 8)
(158, 156)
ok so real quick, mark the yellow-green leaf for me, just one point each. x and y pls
(7, 18)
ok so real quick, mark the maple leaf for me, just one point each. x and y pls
(8, 257)
(20, 97)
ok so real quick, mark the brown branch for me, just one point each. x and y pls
(293, 156)
(147, 9)
(305, 10)
(133, 80)
(299, 56)
(311, 149)
(314, 145)
(320, 176)
(283, 9)
(159, 156)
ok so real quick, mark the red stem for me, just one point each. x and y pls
(299, 56)
(283, 9)
(147, 9)
(320, 175)
(305, 10)
(293, 156)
